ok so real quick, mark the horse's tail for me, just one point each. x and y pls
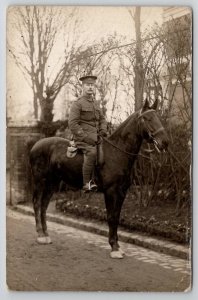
(30, 184)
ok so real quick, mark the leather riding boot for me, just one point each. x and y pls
(88, 167)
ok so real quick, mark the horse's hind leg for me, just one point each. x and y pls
(37, 197)
(43, 192)
(47, 194)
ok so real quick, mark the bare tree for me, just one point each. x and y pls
(97, 59)
(36, 30)
(168, 71)
(136, 58)
(177, 43)
(138, 62)
(169, 75)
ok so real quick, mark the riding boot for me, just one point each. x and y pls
(88, 167)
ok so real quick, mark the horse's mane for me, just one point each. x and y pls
(122, 126)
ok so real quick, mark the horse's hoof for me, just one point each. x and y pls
(116, 254)
(44, 240)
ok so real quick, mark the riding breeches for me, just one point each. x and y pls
(90, 153)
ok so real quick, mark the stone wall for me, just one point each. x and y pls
(19, 142)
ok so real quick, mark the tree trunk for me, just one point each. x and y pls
(138, 68)
(35, 104)
(48, 127)
(47, 106)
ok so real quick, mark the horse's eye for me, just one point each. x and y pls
(148, 119)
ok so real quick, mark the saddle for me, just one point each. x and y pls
(72, 150)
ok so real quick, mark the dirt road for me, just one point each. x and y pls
(79, 261)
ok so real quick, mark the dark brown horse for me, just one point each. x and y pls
(50, 165)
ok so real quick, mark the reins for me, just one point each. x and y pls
(149, 132)
(123, 151)
(112, 144)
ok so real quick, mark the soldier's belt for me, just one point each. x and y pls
(92, 125)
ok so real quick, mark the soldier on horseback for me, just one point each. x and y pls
(87, 122)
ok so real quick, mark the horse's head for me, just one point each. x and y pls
(151, 127)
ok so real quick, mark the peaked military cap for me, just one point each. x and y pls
(88, 78)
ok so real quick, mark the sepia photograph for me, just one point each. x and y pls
(99, 148)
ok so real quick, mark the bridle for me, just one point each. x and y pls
(150, 133)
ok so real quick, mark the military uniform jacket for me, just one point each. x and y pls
(86, 119)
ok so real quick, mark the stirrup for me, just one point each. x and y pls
(90, 187)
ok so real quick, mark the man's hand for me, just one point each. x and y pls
(103, 133)
(89, 141)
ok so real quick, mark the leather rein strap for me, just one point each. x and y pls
(121, 150)
(151, 134)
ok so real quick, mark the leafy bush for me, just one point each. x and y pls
(50, 128)
(165, 176)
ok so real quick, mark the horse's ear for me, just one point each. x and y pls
(155, 104)
(146, 105)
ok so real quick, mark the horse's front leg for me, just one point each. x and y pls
(114, 200)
